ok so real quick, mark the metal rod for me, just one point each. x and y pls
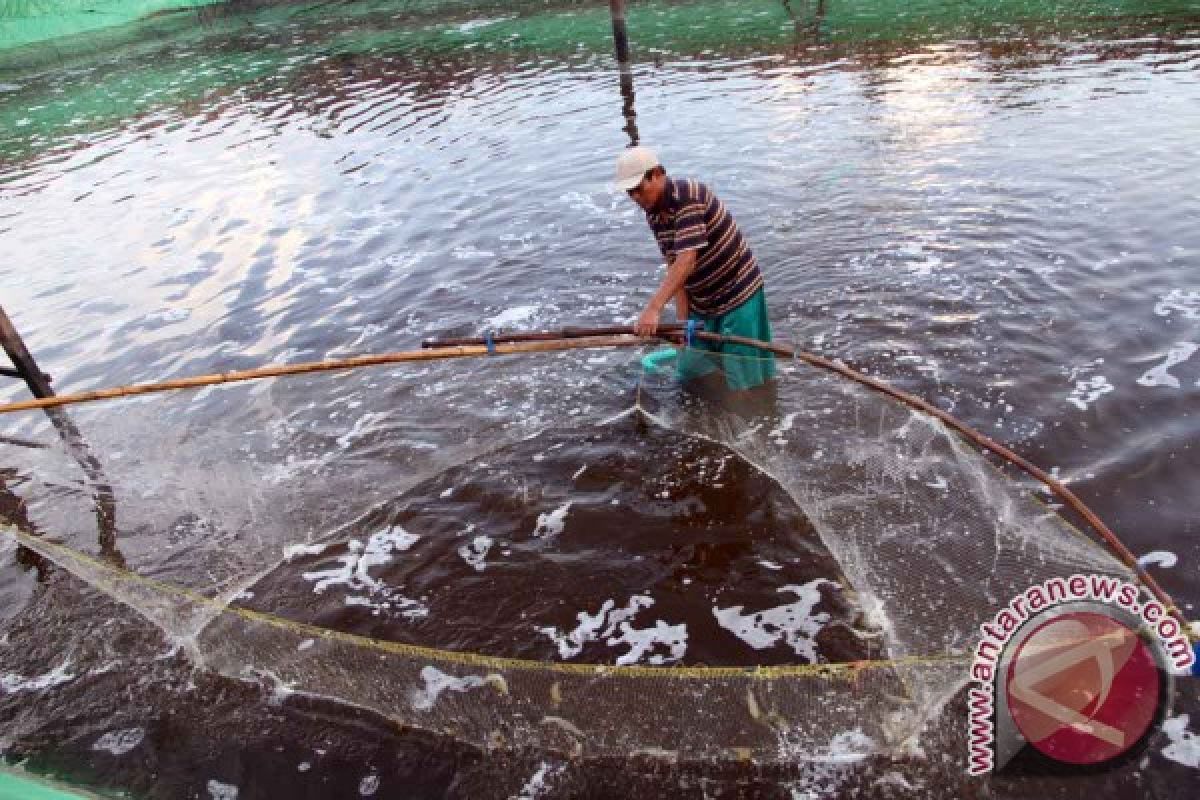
(546, 336)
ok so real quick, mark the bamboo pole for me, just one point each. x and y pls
(280, 370)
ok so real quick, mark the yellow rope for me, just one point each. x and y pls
(842, 670)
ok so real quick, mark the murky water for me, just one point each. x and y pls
(996, 209)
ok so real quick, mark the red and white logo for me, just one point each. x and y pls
(1083, 688)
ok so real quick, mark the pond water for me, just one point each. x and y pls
(994, 207)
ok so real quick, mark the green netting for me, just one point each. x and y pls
(929, 539)
(24, 22)
(305, 43)
(21, 786)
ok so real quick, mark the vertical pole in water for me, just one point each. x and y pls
(621, 41)
(27, 368)
(617, 9)
(39, 384)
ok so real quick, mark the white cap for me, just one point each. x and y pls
(632, 165)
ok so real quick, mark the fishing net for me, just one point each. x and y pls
(593, 553)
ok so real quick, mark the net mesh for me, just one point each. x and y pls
(238, 505)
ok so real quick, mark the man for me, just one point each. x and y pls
(711, 273)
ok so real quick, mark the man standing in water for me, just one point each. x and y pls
(711, 273)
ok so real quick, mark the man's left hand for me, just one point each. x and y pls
(647, 324)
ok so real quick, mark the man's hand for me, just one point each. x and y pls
(647, 324)
(678, 270)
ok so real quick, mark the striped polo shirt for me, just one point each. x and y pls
(691, 217)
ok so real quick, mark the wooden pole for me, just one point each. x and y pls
(26, 367)
(280, 370)
(39, 385)
(620, 37)
(621, 44)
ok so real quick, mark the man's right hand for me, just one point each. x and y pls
(647, 323)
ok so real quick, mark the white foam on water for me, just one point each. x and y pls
(849, 746)
(552, 523)
(293, 550)
(938, 482)
(894, 780)
(13, 683)
(540, 781)
(354, 571)
(1184, 747)
(1088, 391)
(1158, 558)
(818, 780)
(120, 742)
(644, 641)
(469, 252)
(475, 24)
(168, 316)
(369, 785)
(611, 625)
(361, 426)
(795, 624)
(390, 601)
(785, 425)
(1187, 303)
(222, 791)
(476, 552)
(437, 682)
(580, 201)
(571, 643)
(1160, 375)
(511, 317)
(446, 493)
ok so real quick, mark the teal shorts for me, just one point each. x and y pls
(744, 366)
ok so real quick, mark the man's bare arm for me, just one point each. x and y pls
(678, 272)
